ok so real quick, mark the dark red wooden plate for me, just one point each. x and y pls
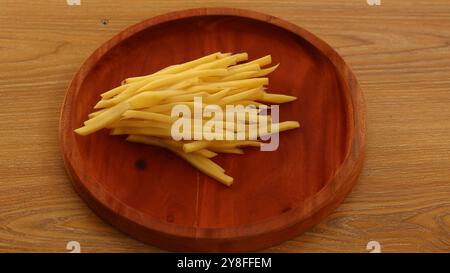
(158, 198)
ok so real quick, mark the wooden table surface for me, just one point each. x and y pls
(400, 52)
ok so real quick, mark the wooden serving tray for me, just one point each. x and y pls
(158, 198)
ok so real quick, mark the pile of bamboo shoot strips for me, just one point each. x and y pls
(141, 107)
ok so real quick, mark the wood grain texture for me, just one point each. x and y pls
(398, 51)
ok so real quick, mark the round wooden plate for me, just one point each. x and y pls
(158, 198)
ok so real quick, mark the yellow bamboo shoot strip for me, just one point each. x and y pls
(250, 116)
(266, 71)
(246, 71)
(206, 88)
(272, 128)
(139, 124)
(250, 102)
(161, 72)
(115, 91)
(227, 150)
(220, 63)
(242, 116)
(198, 145)
(195, 146)
(216, 97)
(235, 143)
(201, 144)
(179, 67)
(207, 153)
(242, 57)
(280, 127)
(223, 55)
(210, 79)
(203, 152)
(239, 90)
(247, 83)
(252, 94)
(185, 84)
(167, 107)
(266, 60)
(249, 74)
(287, 125)
(150, 98)
(224, 62)
(148, 116)
(261, 61)
(246, 68)
(146, 99)
(96, 113)
(103, 119)
(276, 98)
(240, 76)
(207, 166)
(185, 97)
(237, 151)
(179, 145)
(202, 163)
